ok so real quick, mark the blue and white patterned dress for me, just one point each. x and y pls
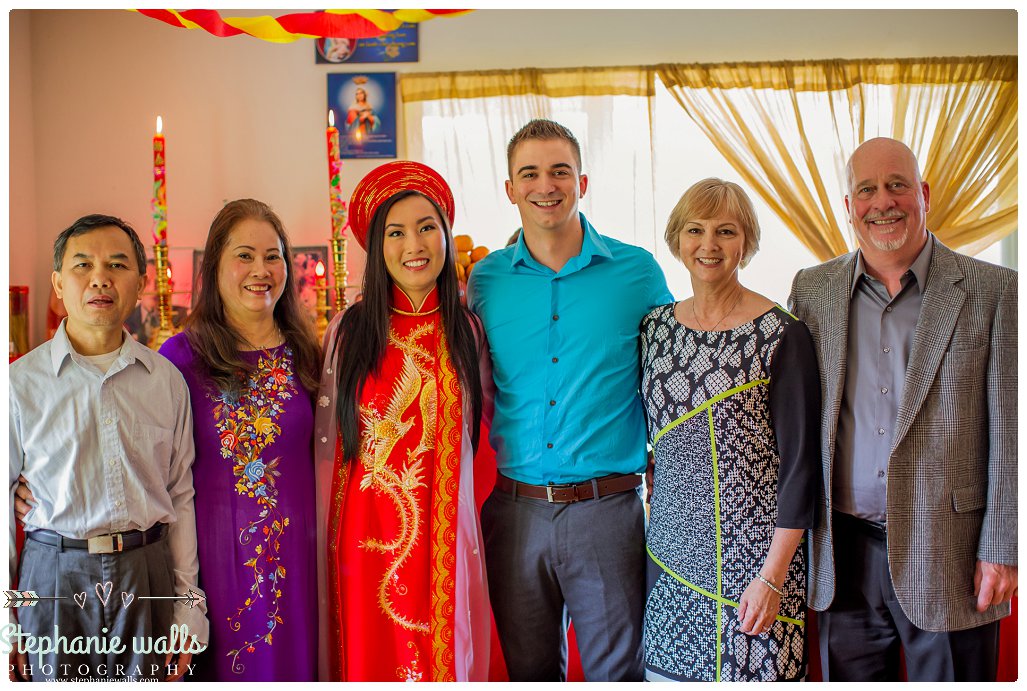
(734, 421)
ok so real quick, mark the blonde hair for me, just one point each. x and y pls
(707, 199)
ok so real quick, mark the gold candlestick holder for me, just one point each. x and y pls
(339, 273)
(166, 329)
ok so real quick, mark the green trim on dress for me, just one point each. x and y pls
(706, 593)
(707, 405)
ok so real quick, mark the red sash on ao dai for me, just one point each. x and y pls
(392, 520)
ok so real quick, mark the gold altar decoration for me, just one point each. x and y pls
(339, 273)
(166, 329)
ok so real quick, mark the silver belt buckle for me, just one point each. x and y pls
(552, 500)
(105, 544)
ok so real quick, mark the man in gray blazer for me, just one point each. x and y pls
(916, 535)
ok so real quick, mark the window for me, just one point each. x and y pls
(638, 167)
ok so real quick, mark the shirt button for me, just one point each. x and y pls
(556, 317)
(552, 402)
(107, 421)
(117, 503)
(884, 389)
(880, 473)
(549, 446)
(113, 462)
(556, 359)
(888, 308)
(881, 430)
(887, 350)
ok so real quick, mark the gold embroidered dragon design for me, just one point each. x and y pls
(382, 432)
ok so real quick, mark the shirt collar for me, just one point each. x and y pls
(402, 301)
(131, 350)
(592, 245)
(919, 268)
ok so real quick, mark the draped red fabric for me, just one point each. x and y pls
(313, 24)
(352, 24)
(330, 25)
(162, 15)
(1008, 647)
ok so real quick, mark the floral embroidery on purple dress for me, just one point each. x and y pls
(247, 426)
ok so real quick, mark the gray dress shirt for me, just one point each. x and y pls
(106, 453)
(881, 329)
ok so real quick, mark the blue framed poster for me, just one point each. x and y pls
(365, 113)
(400, 45)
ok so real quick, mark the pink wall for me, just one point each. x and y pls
(246, 118)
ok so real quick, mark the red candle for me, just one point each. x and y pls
(159, 201)
(335, 178)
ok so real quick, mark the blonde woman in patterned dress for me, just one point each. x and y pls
(398, 419)
(732, 396)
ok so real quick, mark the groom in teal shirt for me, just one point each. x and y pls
(564, 527)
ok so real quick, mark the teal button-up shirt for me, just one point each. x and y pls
(565, 357)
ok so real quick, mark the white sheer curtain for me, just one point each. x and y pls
(465, 140)
(683, 155)
(641, 150)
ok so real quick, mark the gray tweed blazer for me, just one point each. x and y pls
(952, 471)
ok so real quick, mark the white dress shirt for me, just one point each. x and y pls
(106, 452)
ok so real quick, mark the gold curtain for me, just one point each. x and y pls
(967, 111)
(963, 109)
(552, 83)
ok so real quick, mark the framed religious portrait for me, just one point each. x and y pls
(304, 273)
(399, 45)
(365, 113)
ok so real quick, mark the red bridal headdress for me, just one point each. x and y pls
(389, 179)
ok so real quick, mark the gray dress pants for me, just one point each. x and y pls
(553, 563)
(75, 575)
(863, 629)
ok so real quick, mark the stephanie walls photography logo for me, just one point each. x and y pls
(36, 647)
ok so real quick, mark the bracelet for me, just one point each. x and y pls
(770, 585)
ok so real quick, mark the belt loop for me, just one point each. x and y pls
(60, 542)
(513, 492)
(595, 489)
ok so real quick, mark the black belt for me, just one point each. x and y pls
(878, 531)
(101, 544)
(570, 493)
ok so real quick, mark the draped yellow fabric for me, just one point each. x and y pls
(554, 83)
(963, 125)
(959, 115)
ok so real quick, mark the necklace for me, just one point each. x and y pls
(696, 316)
(277, 340)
